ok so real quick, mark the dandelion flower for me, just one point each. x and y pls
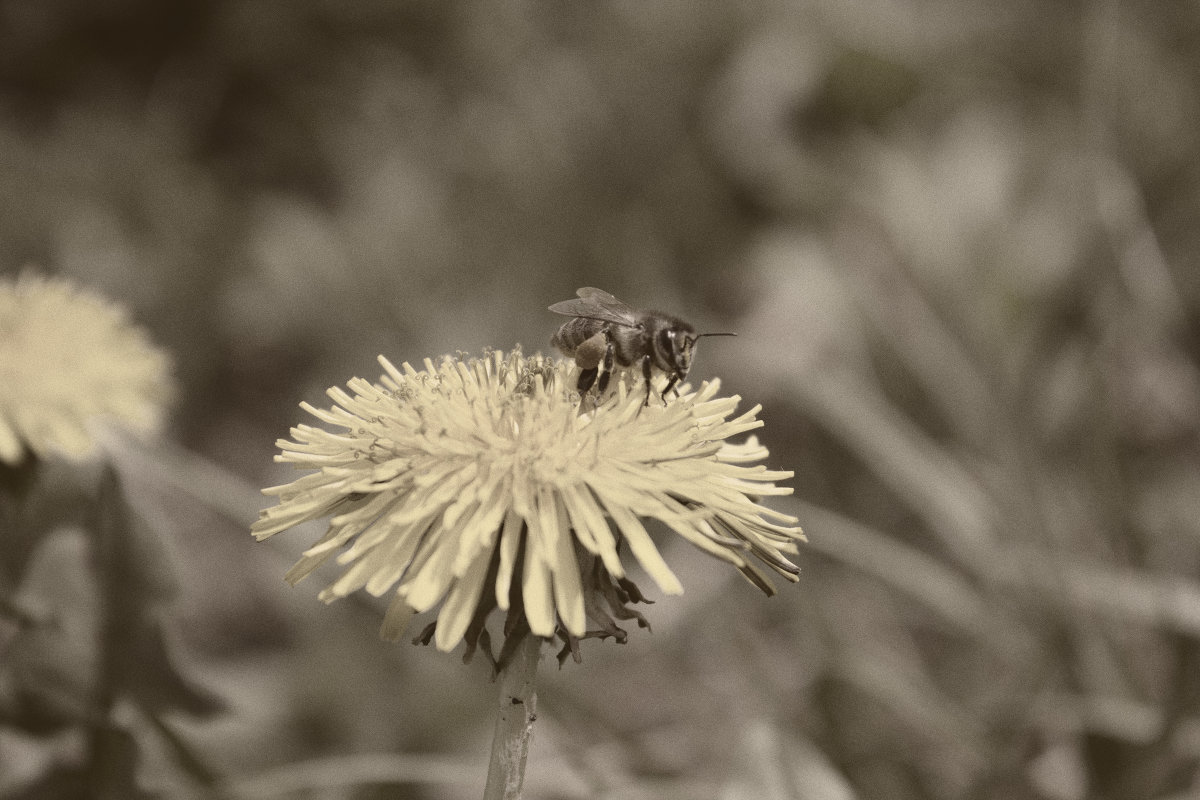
(70, 359)
(477, 484)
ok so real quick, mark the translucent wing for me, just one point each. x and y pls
(596, 304)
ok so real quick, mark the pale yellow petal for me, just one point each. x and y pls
(510, 541)
(568, 591)
(536, 593)
(459, 609)
(587, 517)
(643, 547)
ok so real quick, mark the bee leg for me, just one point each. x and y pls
(670, 386)
(586, 378)
(646, 378)
(608, 368)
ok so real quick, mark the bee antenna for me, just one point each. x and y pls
(715, 334)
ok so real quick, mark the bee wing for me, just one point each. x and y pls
(596, 304)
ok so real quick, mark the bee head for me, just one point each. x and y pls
(673, 346)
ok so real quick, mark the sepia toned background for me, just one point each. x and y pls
(958, 242)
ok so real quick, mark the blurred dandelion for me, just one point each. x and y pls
(478, 484)
(69, 360)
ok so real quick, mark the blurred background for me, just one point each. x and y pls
(958, 241)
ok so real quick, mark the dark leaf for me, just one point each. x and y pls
(134, 585)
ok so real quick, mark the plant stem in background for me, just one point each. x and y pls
(515, 713)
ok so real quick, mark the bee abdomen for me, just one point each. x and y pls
(575, 332)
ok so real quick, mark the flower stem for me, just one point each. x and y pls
(517, 709)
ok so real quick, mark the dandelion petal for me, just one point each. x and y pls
(460, 605)
(539, 601)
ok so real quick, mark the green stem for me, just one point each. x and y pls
(516, 711)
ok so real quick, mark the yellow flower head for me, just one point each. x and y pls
(477, 484)
(69, 359)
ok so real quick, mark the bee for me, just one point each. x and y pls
(605, 330)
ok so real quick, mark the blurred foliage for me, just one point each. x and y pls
(958, 241)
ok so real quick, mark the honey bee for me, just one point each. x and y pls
(605, 330)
